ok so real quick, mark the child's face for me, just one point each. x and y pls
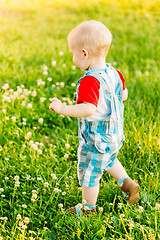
(80, 58)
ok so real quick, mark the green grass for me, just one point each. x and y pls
(32, 33)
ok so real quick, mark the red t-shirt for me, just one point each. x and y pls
(89, 89)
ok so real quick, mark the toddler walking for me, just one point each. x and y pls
(99, 109)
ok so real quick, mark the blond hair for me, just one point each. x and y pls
(93, 35)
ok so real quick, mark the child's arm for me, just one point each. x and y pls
(125, 94)
(79, 110)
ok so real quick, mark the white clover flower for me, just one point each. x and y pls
(23, 193)
(34, 195)
(57, 83)
(20, 223)
(53, 85)
(45, 68)
(22, 96)
(80, 205)
(64, 65)
(73, 67)
(67, 146)
(140, 210)
(45, 73)
(24, 119)
(34, 146)
(24, 227)
(7, 99)
(6, 86)
(53, 176)
(1, 190)
(25, 92)
(46, 184)
(86, 208)
(157, 206)
(61, 84)
(49, 79)
(34, 93)
(122, 215)
(83, 201)
(24, 146)
(40, 120)
(1, 238)
(16, 178)
(24, 206)
(61, 53)
(28, 135)
(26, 220)
(34, 191)
(70, 102)
(146, 73)
(39, 151)
(6, 178)
(7, 159)
(24, 123)
(18, 216)
(66, 156)
(100, 209)
(41, 144)
(23, 103)
(7, 118)
(4, 110)
(13, 118)
(53, 63)
(31, 142)
(28, 177)
(120, 205)
(63, 193)
(17, 184)
(3, 196)
(73, 84)
(57, 190)
(138, 73)
(19, 89)
(131, 224)
(40, 82)
(29, 105)
(5, 219)
(34, 128)
(22, 86)
(39, 179)
(60, 205)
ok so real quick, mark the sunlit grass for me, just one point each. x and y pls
(38, 149)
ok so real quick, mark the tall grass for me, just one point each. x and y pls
(38, 149)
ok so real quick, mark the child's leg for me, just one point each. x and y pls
(127, 185)
(118, 172)
(90, 194)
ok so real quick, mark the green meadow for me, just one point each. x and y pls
(38, 148)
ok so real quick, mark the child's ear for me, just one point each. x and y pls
(85, 53)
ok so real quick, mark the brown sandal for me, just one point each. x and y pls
(83, 210)
(132, 189)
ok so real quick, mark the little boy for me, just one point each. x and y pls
(99, 109)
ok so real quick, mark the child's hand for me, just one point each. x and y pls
(56, 105)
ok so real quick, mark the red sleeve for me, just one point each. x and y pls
(89, 90)
(122, 79)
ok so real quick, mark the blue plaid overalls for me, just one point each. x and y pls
(100, 141)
